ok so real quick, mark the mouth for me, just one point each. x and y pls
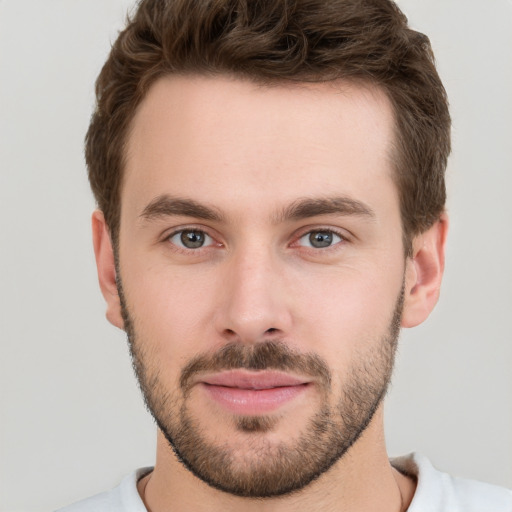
(253, 392)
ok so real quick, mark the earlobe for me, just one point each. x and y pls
(424, 273)
(105, 264)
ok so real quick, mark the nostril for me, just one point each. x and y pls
(271, 330)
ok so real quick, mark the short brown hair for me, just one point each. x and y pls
(278, 41)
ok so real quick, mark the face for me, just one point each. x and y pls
(261, 273)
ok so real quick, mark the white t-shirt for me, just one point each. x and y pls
(435, 492)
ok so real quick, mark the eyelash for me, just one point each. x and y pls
(186, 250)
(343, 239)
(189, 251)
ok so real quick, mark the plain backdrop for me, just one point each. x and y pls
(72, 420)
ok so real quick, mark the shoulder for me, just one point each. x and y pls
(123, 498)
(439, 492)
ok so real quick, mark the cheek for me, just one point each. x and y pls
(171, 308)
(353, 335)
(347, 310)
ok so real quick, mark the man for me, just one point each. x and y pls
(270, 184)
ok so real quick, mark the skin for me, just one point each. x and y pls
(249, 152)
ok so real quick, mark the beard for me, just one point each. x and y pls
(257, 467)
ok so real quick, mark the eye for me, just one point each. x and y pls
(320, 239)
(190, 239)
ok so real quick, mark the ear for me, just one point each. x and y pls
(424, 273)
(105, 265)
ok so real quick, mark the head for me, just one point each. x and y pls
(270, 185)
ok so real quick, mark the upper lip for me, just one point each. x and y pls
(246, 379)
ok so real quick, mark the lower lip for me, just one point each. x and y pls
(253, 401)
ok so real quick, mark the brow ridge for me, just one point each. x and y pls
(166, 205)
(312, 207)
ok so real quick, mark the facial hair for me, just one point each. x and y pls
(266, 469)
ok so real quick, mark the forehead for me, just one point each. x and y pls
(220, 137)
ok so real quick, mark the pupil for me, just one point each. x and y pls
(320, 239)
(192, 239)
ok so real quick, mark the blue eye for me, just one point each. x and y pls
(320, 239)
(191, 239)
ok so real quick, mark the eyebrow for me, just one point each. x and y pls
(168, 206)
(312, 207)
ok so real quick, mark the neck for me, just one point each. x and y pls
(362, 480)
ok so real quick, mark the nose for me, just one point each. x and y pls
(254, 303)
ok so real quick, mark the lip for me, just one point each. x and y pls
(255, 380)
(253, 393)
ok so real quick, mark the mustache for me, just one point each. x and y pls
(269, 355)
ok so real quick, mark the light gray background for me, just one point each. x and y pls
(72, 420)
